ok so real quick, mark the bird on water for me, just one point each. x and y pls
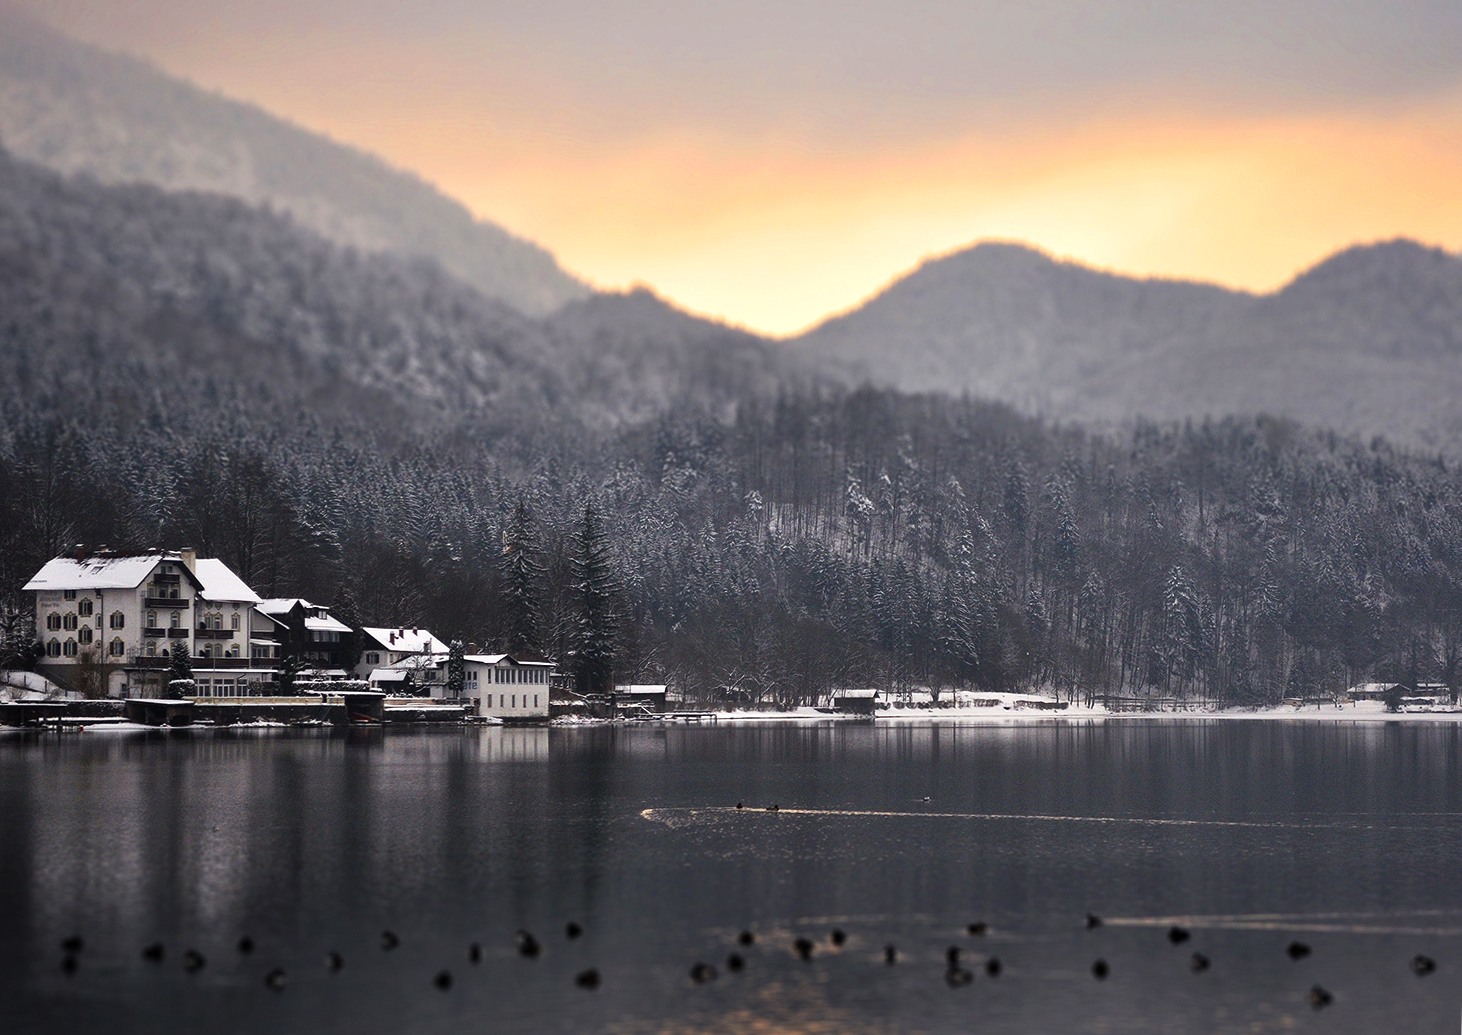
(527, 944)
(1297, 950)
(746, 938)
(572, 930)
(588, 979)
(803, 948)
(389, 940)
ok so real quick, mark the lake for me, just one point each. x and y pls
(1249, 835)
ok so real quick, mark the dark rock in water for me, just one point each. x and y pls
(993, 966)
(69, 965)
(951, 955)
(978, 928)
(333, 962)
(745, 938)
(957, 977)
(1093, 921)
(837, 937)
(1319, 998)
(246, 945)
(1178, 935)
(73, 945)
(702, 972)
(276, 979)
(389, 940)
(1198, 963)
(734, 963)
(1421, 965)
(588, 979)
(527, 944)
(443, 980)
(194, 961)
(803, 948)
(572, 930)
(1297, 950)
(1100, 970)
(153, 953)
(474, 953)
(890, 955)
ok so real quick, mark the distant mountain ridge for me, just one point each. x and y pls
(1367, 341)
(76, 108)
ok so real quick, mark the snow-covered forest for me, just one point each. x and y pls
(366, 431)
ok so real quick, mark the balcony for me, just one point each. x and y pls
(165, 602)
(153, 632)
(166, 579)
(214, 634)
(178, 634)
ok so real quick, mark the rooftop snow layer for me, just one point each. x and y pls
(220, 583)
(95, 572)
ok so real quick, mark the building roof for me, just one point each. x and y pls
(97, 572)
(283, 605)
(389, 675)
(407, 641)
(494, 659)
(221, 584)
(855, 695)
(641, 688)
(326, 624)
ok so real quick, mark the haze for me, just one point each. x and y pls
(772, 163)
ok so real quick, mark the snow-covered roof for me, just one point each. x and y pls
(641, 688)
(220, 583)
(855, 695)
(409, 641)
(96, 572)
(282, 605)
(389, 675)
(495, 659)
(326, 624)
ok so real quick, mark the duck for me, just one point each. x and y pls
(1178, 935)
(276, 979)
(334, 961)
(1093, 921)
(1100, 970)
(474, 953)
(588, 979)
(1319, 998)
(73, 945)
(389, 940)
(1422, 965)
(734, 963)
(803, 948)
(153, 953)
(246, 945)
(951, 955)
(745, 938)
(890, 955)
(958, 977)
(702, 972)
(572, 930)
(978, 928)
(69, 963)
(993, 967)
(837, 937)
(1297, 950)
(443, 980)
(1198, 963)
(194, 961)
(527, 944)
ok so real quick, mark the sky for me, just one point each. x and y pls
(772, 162)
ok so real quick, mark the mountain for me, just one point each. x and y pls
(75, 109)
(1368, 341)
(128, 304)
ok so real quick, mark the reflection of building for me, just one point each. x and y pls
(307, 632)
(382, 648)
(108, 622)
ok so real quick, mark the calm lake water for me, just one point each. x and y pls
(1250, 834)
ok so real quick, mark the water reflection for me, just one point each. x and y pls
(315, 841)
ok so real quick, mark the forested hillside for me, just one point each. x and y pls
(78, 109)
(182, 370)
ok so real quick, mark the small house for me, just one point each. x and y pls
(642, 698)
(855, 702)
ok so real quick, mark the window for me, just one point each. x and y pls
(53, 649)
(85, 634)
(515, 700)
(500, 700)
(152, 648)
(84, 608)
(235, 623)
(152, 619)
(535, 700)
(53, 621)
(69, 594)
(117, 648)
(119, 620)
(69, 648)
(69, 622)
(177, 620)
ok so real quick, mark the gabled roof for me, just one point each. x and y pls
(494, 659)
(102, 572)
(282, 605)
(407, 641)
(326, 624)
(221, 584)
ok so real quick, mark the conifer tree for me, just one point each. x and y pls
(180, 670)
(596, 586)
(522, 581)
(456, 669)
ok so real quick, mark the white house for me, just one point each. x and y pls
(381, 648)
(499, 684)
(108, 622)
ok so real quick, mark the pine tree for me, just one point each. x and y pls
(180, 670)
(596, 586)
(456, 670)
(522, 581)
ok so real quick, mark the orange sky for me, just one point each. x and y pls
(772, 202)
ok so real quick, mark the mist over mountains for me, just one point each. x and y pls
(76, 108)
(1368, 341)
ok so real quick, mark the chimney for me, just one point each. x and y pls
(189, 557)
(471, 648)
